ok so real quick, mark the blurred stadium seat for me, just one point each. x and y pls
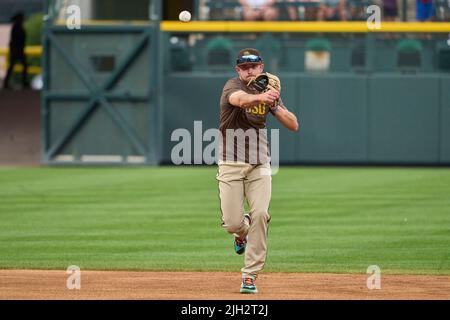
(220, 54)
(409, 55)
(358, 57)
(179, 54)
(317, 55)
(443, 56)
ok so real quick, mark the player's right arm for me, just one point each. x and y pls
(244, 100)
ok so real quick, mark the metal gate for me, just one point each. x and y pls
(100, 101)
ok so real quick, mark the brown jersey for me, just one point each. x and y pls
(250, 143)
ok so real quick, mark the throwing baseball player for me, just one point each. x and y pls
(244, 160)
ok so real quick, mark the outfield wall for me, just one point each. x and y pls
(115, 93)
(344, 118)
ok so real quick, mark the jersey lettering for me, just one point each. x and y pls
(258, 109)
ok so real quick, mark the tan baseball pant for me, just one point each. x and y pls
(237, 182)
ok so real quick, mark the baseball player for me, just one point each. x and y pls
(242, 175)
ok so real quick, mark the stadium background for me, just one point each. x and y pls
(115, 90)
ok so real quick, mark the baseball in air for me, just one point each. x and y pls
(185, 16)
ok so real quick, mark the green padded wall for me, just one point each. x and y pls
(445, 119)
(333, 112)
(344, 118)
(404, 118)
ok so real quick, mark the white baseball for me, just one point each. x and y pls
(185, 16)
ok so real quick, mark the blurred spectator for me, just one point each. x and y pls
(390, 10)
(17, 49)
(357, 10)
(332, 10)
(442, 8)
(425, 10)
(309, 9)
(218, 10)
(259, 10)
(293, 11)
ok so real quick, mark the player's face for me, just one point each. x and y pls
(249, 70)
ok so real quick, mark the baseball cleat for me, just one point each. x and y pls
(248, 285)
(241, 243)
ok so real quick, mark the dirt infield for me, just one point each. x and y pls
(44, 284)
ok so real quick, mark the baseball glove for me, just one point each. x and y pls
(264, 82)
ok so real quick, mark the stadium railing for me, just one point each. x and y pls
(30, 51)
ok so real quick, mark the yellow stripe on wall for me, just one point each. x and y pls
(31, 51)
(289, 26)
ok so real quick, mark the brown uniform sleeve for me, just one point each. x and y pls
(230, 87)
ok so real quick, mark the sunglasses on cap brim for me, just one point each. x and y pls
(249, 59)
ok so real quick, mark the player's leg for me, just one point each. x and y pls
(258, 190)
(231, 193)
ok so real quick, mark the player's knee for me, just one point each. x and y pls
(231, 226)
(260, 215)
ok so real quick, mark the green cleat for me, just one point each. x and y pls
(241, 243)
(248, 285)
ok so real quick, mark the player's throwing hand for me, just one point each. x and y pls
(270, 96)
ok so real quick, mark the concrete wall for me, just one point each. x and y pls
(20, 127)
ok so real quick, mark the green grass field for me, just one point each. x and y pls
(167, 218)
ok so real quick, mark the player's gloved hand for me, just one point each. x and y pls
(266, 82)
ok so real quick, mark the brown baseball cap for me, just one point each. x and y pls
(248, 55)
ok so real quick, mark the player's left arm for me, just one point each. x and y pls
(285, 117)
